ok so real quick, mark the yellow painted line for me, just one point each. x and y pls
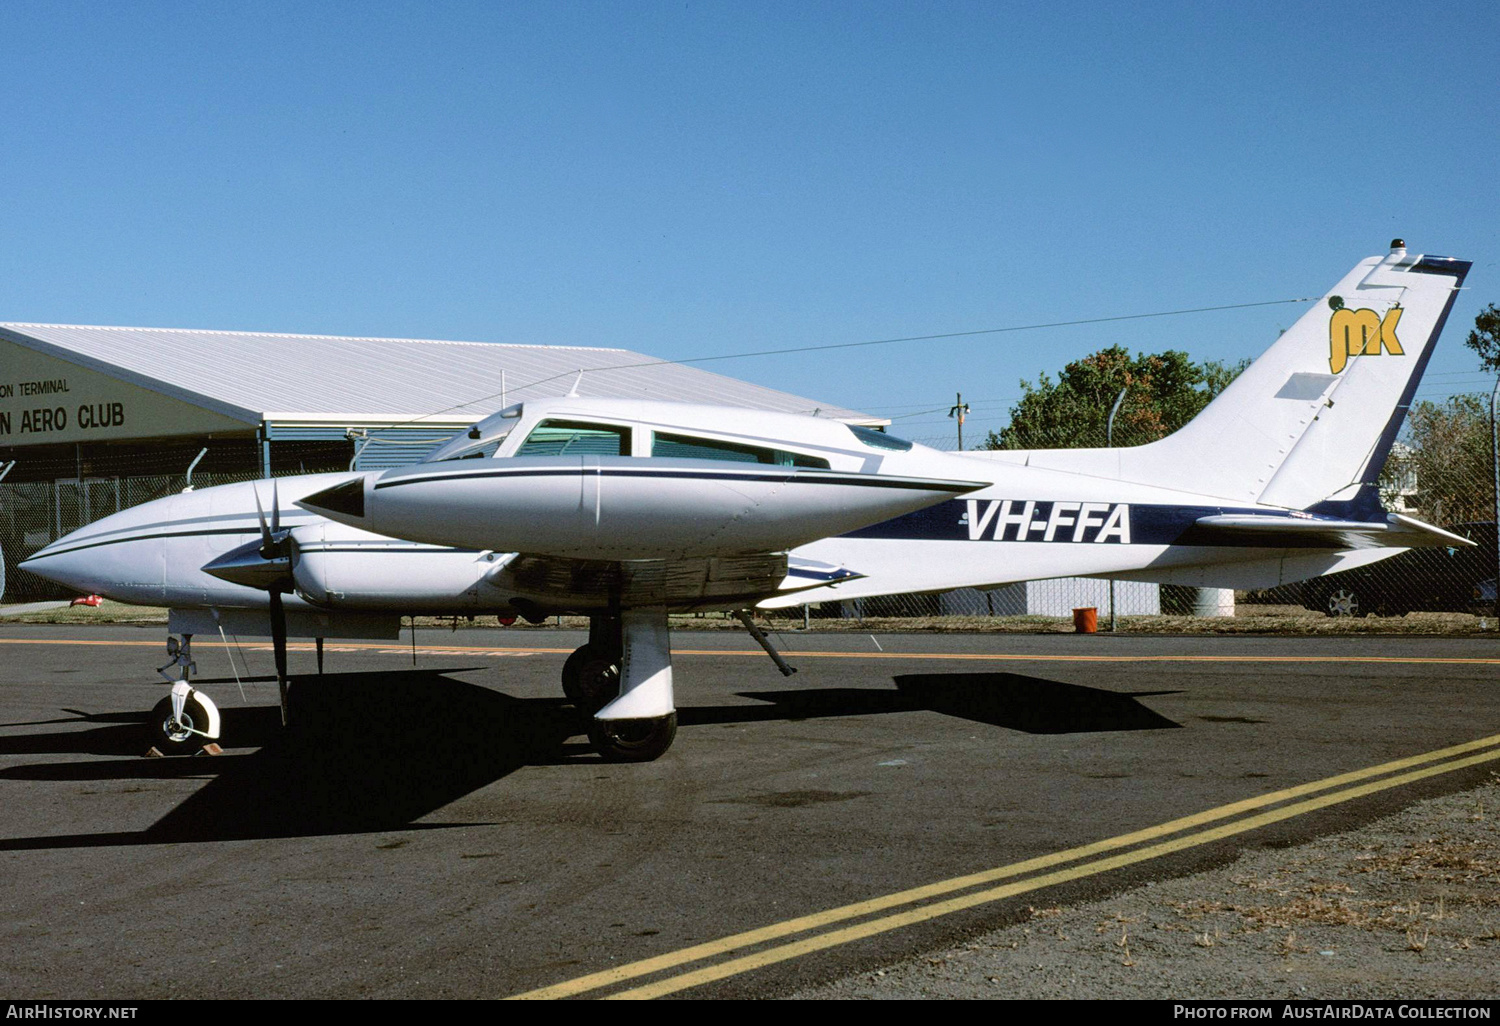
(802, 924)
(1058, 658)
(877, 926)
(1014, 657)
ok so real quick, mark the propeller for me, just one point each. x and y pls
(278, 645)
(266, 565)
(273, 540)
(275, 546)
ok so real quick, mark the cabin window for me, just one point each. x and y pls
(573, 438)
(688, 447)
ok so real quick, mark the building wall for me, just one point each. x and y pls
(1057, 597)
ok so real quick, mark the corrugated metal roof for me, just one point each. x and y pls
(249, 374)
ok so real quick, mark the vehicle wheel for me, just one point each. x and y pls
(633, 740)
(591, 678)
(169, 737)
(1345, 602)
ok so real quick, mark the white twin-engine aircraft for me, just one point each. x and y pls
(625, 511)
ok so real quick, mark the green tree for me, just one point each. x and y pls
(1485, 338)
(1163, 392)
(1444, 467)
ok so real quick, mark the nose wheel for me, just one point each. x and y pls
(184, 733)
(187, 719)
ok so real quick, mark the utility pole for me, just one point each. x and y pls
(1109, 443)
(1495, 464)
(960, 410)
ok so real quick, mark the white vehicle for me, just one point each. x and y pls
(625, 511)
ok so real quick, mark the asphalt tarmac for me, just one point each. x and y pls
(444, 830)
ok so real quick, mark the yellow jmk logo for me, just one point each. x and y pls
(1361, 333)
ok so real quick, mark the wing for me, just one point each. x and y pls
(555, 584)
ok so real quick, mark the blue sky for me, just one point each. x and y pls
(692, 179)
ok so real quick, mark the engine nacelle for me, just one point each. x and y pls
(340, 567)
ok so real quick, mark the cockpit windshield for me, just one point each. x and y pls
(480, 441)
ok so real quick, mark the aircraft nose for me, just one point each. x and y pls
(38, 559)
(56, 563)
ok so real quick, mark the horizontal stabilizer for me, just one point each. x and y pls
(804, 574)
(1395, 531)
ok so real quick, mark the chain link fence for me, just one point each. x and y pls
(1440, 472)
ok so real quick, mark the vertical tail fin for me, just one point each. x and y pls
(1310, 423)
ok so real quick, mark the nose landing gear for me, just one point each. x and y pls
(183, 722)
(187, 720)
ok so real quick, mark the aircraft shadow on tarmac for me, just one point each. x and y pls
(1032, 705)
(366, 752)
(372, 752)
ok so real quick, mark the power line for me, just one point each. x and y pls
(874, 342)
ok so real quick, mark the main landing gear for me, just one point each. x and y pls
(621, 681)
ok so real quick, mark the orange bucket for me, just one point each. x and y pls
(1086, 620)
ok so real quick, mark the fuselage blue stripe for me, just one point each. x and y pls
(1108, 523)
(1143, 524)
(791, 477)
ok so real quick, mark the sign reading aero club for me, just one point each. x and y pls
(44, 400)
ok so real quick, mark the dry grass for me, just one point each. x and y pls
(1436, 860)
(107, 613)
(1248, 620)
(1428, 892)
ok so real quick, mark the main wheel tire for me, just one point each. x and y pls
(633, 740)
(168, 736)
(1345, 602)
(591, 678)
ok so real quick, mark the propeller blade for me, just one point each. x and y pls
(278, 645)
(265, 531)
(275, 510)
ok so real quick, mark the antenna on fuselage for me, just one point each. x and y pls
(573, 392)
(188, 483)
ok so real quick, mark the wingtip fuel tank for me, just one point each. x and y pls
(620, 508)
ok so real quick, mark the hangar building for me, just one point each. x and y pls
(98, 419)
